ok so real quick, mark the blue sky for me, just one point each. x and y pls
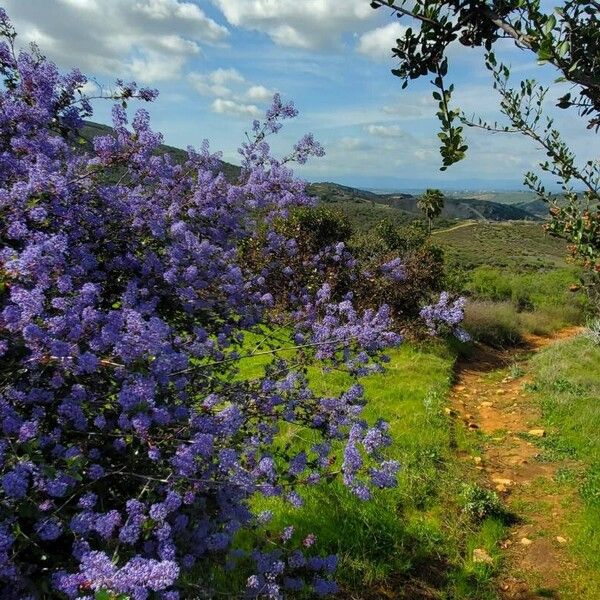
(217, 62)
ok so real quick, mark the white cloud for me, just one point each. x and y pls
(223, 76)
(385, 131)
(259, 93)
(227, 85)
(425, 154)
(308, 24)
(378, 43)
(214, 83)
(155, 67)
(230, 107)
(149, 39)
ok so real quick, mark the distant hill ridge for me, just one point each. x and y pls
(90, 130)
(454, 208)
(396, 206)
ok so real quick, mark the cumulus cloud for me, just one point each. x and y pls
(231, 92)
(378, 43)
(149, 39)
(259, 93)
(216, 82)
(309, 24)
(238, 109)
(385, 131)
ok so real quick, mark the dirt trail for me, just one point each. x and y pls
(459, 226)
(490, 397)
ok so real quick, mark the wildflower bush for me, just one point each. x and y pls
(396, 266)
(130, 448)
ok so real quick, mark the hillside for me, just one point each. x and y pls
(366, 208)
(464, 208)
(539, 208)
(90, 130)
(518, 246)
(405, 205)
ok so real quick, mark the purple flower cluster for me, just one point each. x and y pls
(446, 314)
(394, 269)
(130, 447)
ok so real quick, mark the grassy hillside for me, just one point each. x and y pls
(519, 246)
(517, 279)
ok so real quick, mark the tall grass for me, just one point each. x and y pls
(504, 306)
(567, 386)
(415, 534)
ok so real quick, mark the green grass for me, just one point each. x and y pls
(415, 536)
(509, 296)
(567, 387)
(518, 246)
(545, 290)
(517, 280)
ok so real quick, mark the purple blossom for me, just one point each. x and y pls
(15, 483)
(446, 313)
(287, 533)
(48, 529)
(127, 303)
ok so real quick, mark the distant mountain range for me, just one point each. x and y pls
(454, 207)
(369, 206)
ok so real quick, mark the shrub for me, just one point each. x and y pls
(396, 266)
(487, 283)
(480, 503)
(417, 279)
(130, 447)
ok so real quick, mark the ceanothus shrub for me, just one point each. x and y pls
(130, 447)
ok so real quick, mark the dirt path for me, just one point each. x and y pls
(459, 226)
(490, 397)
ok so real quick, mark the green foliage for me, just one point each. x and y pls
(431, 204)
(568, 37)
(479, 502)
(317, 227)
(423, 266)
(401, 239)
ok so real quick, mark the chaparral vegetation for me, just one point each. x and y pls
(131, 450)
(222, 382)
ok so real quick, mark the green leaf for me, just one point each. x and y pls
(549, 25)
(563, 48)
